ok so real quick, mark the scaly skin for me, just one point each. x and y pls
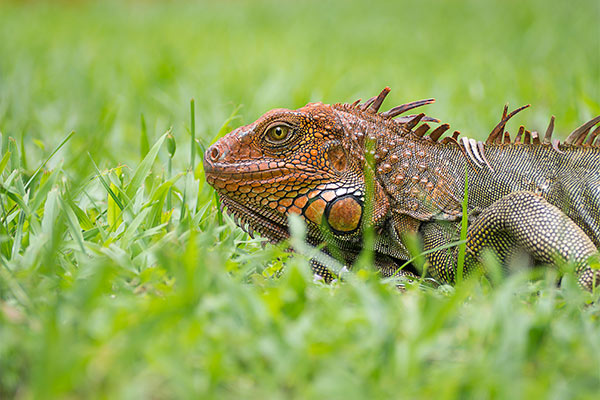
(527, 194)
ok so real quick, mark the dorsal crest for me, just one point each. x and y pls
(473, 149)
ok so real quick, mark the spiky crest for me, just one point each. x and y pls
(472, 149)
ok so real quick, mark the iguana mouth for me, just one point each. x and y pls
(238, 173)
(243, 171)
(272, 225)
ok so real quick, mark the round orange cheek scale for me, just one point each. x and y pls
(344, 214)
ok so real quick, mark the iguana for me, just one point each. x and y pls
(529, 192)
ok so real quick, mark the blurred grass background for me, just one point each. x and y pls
(122, 280)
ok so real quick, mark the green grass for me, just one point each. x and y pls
(120, 279)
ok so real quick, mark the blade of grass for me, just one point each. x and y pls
(4, 161)
(4, 142)
(462, 248)
(73, 226)
(366, 257)
(50, 212)
(14, 196)
(23, 153)
(43, 189)
(144, 141)
(105, 184)
(133, 226)
(16, 248)
(15, 163)
(56, 149)
(114, 215)
(82, 217)
(157, 198)
(192, 134)
(144, 168)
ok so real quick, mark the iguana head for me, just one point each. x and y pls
(309, 162)
(288, 161)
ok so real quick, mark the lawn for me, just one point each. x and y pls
(119, 277)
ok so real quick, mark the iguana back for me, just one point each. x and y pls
(567, 177)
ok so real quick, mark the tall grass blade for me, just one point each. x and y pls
(464, 224)
(73, 225)
(43, 164)
(144, 141)
(144, 168)
(192, 134)
(106, 185)
(114, 215)
(4, 161)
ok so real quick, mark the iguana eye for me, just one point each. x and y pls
(278, 134)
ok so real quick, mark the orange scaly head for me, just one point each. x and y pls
(312, 162)
(289, 161)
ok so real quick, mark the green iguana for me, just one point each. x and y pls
(529, 193)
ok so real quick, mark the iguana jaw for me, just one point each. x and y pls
(264, 221)
(249, 195)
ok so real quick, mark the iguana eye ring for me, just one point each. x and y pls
(278, 134)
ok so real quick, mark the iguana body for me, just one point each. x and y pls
(328, 162)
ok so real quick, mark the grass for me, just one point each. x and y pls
(120, 279)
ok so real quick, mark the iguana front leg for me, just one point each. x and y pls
(518, 220)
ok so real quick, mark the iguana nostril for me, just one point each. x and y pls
(214, 154)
